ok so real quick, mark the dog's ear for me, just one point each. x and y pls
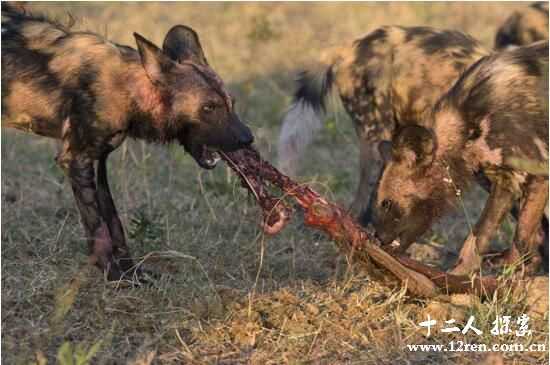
(182, 44)
(154, 61)
(415, 146)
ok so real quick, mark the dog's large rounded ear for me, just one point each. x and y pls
(182, 43)
(385, 150)
(415, 145)
(155, 63)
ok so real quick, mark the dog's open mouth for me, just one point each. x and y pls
(395, 244)
(207, 157)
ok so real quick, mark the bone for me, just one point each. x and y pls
(276, 213)
(420, 280)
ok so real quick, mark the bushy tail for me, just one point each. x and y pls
(303, 118)
(12, 10)
(16, 16)
(12, 7)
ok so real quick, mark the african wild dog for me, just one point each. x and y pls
(389, 78)
(494, 120)
(524, 27)
(91, 94)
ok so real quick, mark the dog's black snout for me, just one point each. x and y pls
(246, 137)
(241, 133)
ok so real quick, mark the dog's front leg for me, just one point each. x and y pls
(370, 167)
(109, 213)
(528, 235)
(498, 204)
(79, 168)
(82, 177)
(103, 228)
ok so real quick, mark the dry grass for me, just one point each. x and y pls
(227, 294)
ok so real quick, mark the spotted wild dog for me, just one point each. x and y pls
(494, 120)
(91, 94)
(524, 27)
(389, 78)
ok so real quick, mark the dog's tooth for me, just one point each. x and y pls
(395, 243)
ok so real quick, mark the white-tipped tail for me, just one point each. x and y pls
(300, 124)
(303, 119)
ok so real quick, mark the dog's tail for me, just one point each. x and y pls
(303, 118)
(21, 27)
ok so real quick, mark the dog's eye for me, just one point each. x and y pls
(386, 204)
(209, 108)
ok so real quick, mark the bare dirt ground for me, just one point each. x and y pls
(227, 294)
